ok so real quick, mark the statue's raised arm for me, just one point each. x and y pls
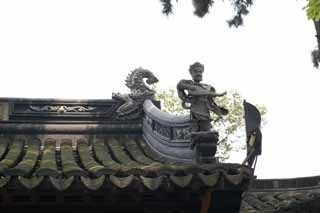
(193, 90)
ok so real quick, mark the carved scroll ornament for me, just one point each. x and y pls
(61, 109)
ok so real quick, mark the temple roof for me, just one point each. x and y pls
(71, 146)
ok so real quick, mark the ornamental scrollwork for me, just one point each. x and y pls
(61, 108)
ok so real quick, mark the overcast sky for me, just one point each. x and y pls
(84, 49)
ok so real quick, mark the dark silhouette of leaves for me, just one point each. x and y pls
(202, 7)
(241, 8)
(167, 7)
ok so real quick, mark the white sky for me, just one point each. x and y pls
(84, 49)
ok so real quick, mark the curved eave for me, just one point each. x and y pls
(292, 195)
(168, 135)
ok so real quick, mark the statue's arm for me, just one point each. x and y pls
(220, 111)
(207, 90)
(185, 85)
(181, 87)
(213, 93)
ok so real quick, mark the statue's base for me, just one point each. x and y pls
(205, 146)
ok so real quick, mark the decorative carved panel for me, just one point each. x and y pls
(66, 110)
(61, 108)
(181, 133)
(162, 129)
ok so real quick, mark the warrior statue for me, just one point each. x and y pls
(199, 98)
(132, 106)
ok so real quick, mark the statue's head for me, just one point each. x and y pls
(196, 71)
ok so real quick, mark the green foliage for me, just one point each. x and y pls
(202, 7)
(313, 9)
(231, 127)
(170, 102)
(313, 12)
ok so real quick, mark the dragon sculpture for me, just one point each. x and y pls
(132, 106)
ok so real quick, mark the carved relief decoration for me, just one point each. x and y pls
(149, 121)
(61, 109)
(181, 133)
(162, 130)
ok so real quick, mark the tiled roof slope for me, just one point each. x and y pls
(60, 162)
(296, 195)
(95, 161)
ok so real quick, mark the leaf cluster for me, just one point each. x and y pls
(241, 8)
(202, 7)
(166, 6)
(313, 10)
(170, 102)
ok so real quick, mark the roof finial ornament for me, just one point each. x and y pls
(254, 136)
(132, 106)
(200, 99)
